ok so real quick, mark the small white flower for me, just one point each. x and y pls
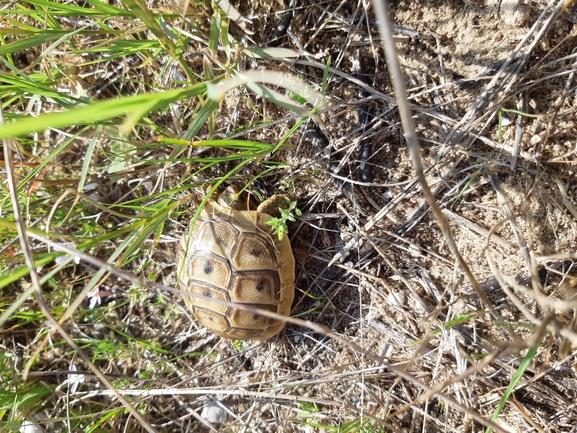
(91, 189)
(95, 297)
(30, 427)
(75, 380)
(60, 260)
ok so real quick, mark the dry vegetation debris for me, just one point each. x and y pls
(493, 93)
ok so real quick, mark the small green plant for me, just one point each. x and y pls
(238, 345)
(308, 411)
(279, 225)
(513, 111)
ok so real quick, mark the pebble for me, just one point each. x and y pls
(214, 413)
(396, 298)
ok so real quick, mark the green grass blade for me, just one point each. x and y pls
(514, 381)
(135, 106)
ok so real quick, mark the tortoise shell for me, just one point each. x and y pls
(232, 255)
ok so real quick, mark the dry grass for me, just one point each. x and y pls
(453, 310)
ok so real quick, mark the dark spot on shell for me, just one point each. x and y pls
(208, 268)
(261, 285)
(255, 251)
(255, 317)
(207, 293)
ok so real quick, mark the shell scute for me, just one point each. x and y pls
(214, 236)
(208, 292)
(257, 287)
(249, 320)
(209, 268)
(252, 251)
(212, 320)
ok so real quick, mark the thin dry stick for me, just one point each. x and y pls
(147, 393)
(27, 252)
(502, 199)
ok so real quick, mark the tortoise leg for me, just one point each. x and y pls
(272, 204)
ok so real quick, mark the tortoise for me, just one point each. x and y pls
(232, 255)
